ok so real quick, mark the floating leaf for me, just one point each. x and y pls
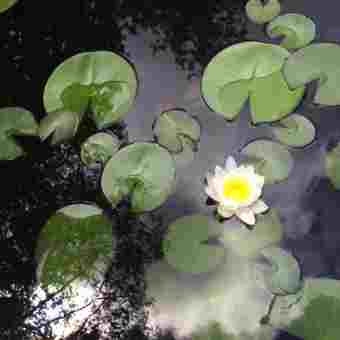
(316, 62)
(6, 4)
(249, 69)
(71, 243)
(187, 155)
(102, 80)
(244, 242)
(320, 320)
(185, 245)
(173, 124)
(332, 166)
(284, 276)
(146, 171)
(62, 124)
(298, 30)
(15, 121)
(272, 160)
(99, 147)
(259, 13)
(295, 130)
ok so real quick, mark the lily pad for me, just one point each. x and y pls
(62, 124)
(270, 159)
(185, 245)
(102, 80)
(298, 30)
(99, 147)
(6, 4)
(248, 243)
(332, 166)
(187, 155)
(249, 69)
(71, 243)
(316, 62)
(146, 171)
(284, 276)
(171, 125)
(295, 130)
(15, 121)
(259, 13)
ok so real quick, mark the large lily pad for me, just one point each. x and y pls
(272, 160)
(173, 124)
(62, 125)
(295, 130)
(248, 243)
(15, 121)
(259, 13)
(185, 245)
(298, 30)
(332, 166)
(284, 276)
(102, 80)
(71, 243)
(145, 171)
(316, 62)
(250, 69)
(6, 4)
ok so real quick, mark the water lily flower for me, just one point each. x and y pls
(237, 189)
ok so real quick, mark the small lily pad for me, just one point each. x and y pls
(284, 277)
(145, 171)
(332, 166)
(295, 130)
(248, 243)
(171, 125)
(316, 62)
(15, 121)
(99, 147)
(6, 4)
(71, 243)
(259, 13)
(298, 30)
(100, 80)
(250, 69)
(185, 245)
(62, 124)
(270, 159)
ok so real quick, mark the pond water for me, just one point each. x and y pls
(169, 46)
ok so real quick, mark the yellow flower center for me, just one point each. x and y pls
(237, 189)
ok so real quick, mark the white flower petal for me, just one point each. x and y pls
(230, 164)
(259, 207)
(219, 171)
(210, 191)
(209, 177)
(224, 211)
(246, 215)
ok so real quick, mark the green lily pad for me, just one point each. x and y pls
(284, 276)
(320, 320)
(171, 125)
(71, 243)
(62, 124)
(298, 30)
(146, 171)
(248, 243)
(185, 245)
(6, 4)
(102, 80)
(249, 69)
(295, 130)
(187, 155)
(99, 147)
(332, 166)
(270, 159)
(316, 62)
(15, 121)
(259, 13)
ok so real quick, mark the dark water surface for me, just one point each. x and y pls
(169, 44)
